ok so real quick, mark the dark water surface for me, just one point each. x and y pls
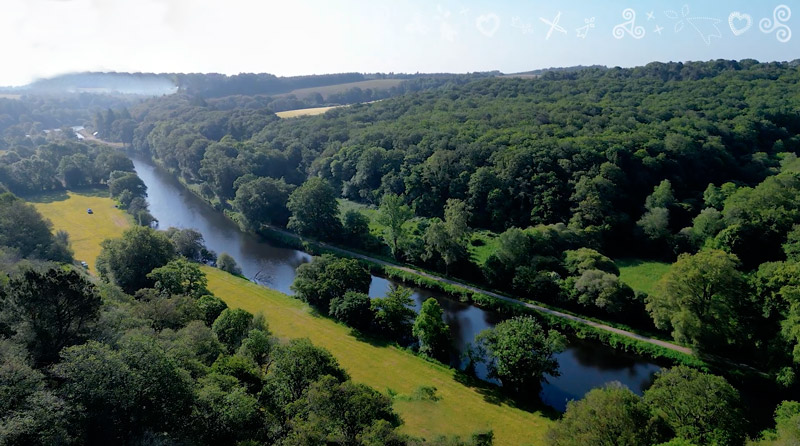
(583, 365)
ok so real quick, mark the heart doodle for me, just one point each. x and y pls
(488, 24)
(739, 23)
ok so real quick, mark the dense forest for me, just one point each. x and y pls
(566, 171)
(530, 186)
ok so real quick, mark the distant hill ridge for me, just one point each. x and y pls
(206, 85)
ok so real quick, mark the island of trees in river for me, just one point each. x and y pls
(528, 186)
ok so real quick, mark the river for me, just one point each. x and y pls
(583, 365)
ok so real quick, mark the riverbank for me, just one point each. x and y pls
(578, 326)
(618, 337)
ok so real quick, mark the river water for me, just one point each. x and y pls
(583, 365)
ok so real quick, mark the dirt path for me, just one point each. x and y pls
(89, 137)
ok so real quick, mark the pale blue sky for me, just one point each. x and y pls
(47, 37)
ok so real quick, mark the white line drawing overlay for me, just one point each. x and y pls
(554, 26)
(526, 28)
(703, 25)
(488, 24)
(739, 22)
(629, 26)
(658, 30)
(583, 31)
(780, 16)
(447, 30)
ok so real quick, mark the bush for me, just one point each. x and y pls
(354, 309)
(226, 263)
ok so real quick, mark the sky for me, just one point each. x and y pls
(42, 38)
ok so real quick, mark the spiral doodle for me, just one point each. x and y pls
(629, 26)
(629, 14)
(618, 31)
(780, 15)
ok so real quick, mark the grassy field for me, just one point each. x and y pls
(461, 410)
(641, 275)
(375, 84)
(463, 407)
(67, 211)
(483, 243)
(370, 212)
(305, 111)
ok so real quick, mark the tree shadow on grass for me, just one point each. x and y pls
(494, 394)
(62, 195)
(372, 340)
(47, 197)
(92, 191)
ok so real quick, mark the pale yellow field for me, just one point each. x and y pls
(461, 410)
(305, 112)
(68, 213)
(325, 91)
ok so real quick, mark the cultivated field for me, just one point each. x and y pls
(67, 211)
(375, 84)
(305, 112)
(641, 275)
(461, 410)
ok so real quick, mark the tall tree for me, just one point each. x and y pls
(51, 309)
(315, 211)
(394, 214)
(24, 229)
(394, 314)
(518, 352)
(431, 331)
(697, 406)
(341, 411)
(296, 366)
(328, 277)
(127, 260)
(608, 416)
(189, 243)
(448, 238)
(701, 298)
(180, 276)
(263, 201)
(232, 326)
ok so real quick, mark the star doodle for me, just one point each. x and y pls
(651, 16)
(658, 30)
